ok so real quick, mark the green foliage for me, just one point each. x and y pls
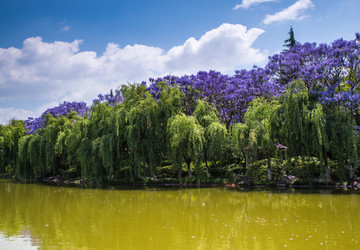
(318, 140)
(170, 101)
(36, 153)
(85, 159)
(23, 167)
(258, 171)
(215, 133)
(132, 94)
(295, 118)
(72, 140)
(187, 138)
(205, 113)
(50, 133)
(2, 154)
(310, 130)
(342, 142)
(240, 135)
(97, 125)
(215, 141)
(305, 168)
(143, 138)
(263, 118)
(97, 168)
(145, 134)
(106, 147)
(118, 128)
(9, 140)
(259, 135)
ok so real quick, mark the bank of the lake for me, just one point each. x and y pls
(243, 182)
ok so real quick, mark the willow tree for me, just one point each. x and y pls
(5, 144)
(36, 153)
(295, 118)
(23, 166)
(103, 142)
(318, 143)
(117, 128)
(240, 138)
(84, 153)
(2, 154)
(107, 154)
(98, 125)
(143, 129)
(91, 139)
(87, 144)
(10, 135)
(98, 171)
(145, 135)
(169, 101)
(215, 133)
(170, 104)
(132, 95)
(342, 142)
(305, 126)
(55, 163)
(263, 121)
(72, 140)
(186, 140)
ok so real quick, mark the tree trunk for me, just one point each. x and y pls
(152, 171)
(206, 164)
(351, 170)
(188, 163)
(246, 160)
(189, 171)
(207, 169)
(326, 166)
(327, 173)
(268, 170)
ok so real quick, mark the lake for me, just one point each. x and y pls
(50, 217)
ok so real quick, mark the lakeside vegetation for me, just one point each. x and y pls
(298, 117)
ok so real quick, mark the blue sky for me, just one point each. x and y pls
(71, 50)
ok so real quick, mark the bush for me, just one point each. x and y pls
(71, 173)
(164, 171)
(257, 171)
(306, 169)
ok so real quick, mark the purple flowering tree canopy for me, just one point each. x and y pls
(33, 124)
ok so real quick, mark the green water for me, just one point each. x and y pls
(49, 217)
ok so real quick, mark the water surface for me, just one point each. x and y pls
(50, 217)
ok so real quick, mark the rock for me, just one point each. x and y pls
(285, 180)
(244, 181)
(356, 185)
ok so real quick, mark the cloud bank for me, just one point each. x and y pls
(293, 12)
(247, 3)
(50, 73)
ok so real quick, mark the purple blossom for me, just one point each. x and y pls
(33, 124)
(111, 99)
(230, 95)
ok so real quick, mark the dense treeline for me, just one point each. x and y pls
(262, 123)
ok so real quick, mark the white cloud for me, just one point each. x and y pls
(293, 12)
(247, 3)
(65, 28)
(42, 72)
(223, 49)
(6, 114)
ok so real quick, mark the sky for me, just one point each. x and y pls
(73, 50)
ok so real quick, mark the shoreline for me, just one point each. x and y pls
(56, 181)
